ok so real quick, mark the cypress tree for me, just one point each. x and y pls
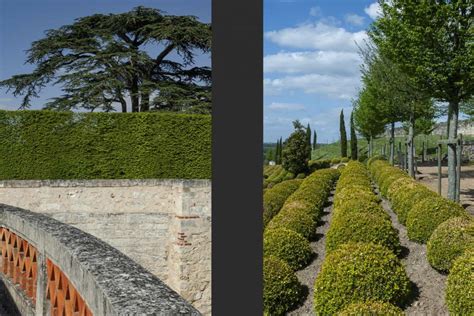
(353, 140)
(308, 142)
(342, 129)
(314, 140)
(277, 153)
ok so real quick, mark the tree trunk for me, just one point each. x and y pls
(452, 134)
(392, 143)
(411, 154)
(134, 96)
(124, 105)
(145, 102)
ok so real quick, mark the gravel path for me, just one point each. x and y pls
(430, 284)
(307, 276)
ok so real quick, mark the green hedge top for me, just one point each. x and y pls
(66, 145)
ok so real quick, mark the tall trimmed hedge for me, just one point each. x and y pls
(66, 145)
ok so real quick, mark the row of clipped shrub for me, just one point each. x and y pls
(444, 225)
(361, 274)
(275, 174)
(287, 236)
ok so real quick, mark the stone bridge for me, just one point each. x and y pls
(51, 268)
(106, 247)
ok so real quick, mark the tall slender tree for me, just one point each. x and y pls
(342, 130)
(353, 139)
(277, 152)
(308, 140)
(315, 140)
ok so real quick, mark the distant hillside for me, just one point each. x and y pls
(465, 127)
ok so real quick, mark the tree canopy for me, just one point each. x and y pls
(102, 60)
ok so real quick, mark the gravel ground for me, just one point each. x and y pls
(307, 276)
(429, 283)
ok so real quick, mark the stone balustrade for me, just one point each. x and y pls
(51, 268)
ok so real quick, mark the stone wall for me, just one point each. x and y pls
(164, 225)
(465, 127)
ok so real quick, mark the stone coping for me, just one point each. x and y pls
(110, 282)
(104, 183)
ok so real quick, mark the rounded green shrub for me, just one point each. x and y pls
(344, 159)
(274, 198)
(371, 309)
(398, 185)
(450, 240)
(426, 215)
(405, 199)
(460, 286)
(374, 158)
(300, 176)
(361, 227)
(389, 179)
(295, 219)
(335, 161)
(358, 206)
(288, 246)
(358, 272)
(351, 194)
(281, 288)
(314, 165)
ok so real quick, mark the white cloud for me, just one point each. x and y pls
(315, 11)
(326, 62)
(354, 19)
(374, 10)
(286, 106)
(340, 87)
(319, 36)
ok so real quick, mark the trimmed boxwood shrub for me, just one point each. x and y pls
(392, 176)
(358, 272)
(281, 288)
(288, 246)
(335, 161)
(314, 165)
(300, 176)
(274, 198)
(295, 219)
(360, 205)
(361, 227)
(371, 309)
(449, 241)
(404, 200)
(355, 192)
(66, 145)
(344, 159)
(426, 216)
(460, 286)
(398, 185)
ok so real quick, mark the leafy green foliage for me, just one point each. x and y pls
(314, 165)
(358, 272)
(295, 151)
(459, 293)
(371, 309)
(100, 60)
(427, 214)
(274, 198)
(450, 240)
(295, 218)
(66, 145)
(287, 245)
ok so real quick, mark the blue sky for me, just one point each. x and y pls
(24, 21)
(311, 63)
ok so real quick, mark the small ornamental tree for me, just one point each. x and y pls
(353, 139)
(294, 154)
(342, 130)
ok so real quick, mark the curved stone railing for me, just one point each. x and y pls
(49, 267)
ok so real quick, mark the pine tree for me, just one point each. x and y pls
(342, 129)
(353, 139)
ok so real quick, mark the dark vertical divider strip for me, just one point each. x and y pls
(237, 66)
